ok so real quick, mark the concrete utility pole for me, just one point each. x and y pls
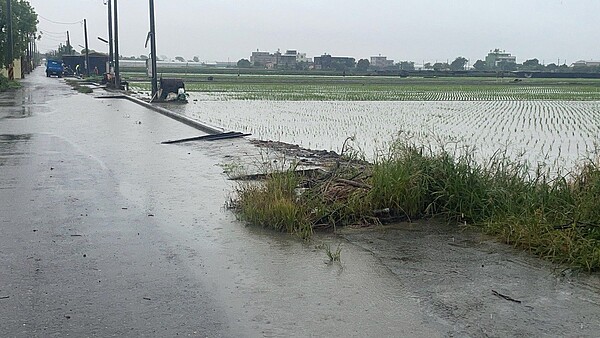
(111, 55)
(87, 51)
(153, 50)
(116, 32)
(35, 51)
(69, 44)
(9, 41)
(30, 53)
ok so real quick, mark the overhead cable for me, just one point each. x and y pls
(61, 23)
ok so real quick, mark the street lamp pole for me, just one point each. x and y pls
(153, 50)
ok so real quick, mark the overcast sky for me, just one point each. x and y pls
(417, 30)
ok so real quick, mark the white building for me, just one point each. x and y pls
(381, 62)
(583, 63)
(496, 57)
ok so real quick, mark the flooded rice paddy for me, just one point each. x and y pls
(557, 133)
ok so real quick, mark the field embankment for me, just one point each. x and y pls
(555, 217)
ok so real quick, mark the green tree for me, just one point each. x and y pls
(458, 63)
(532, 63)
(244, 63)
(342, 66)
(24, 27)
(507, 66)
(180, 58)
(441, 66)
(143, 57)
(196, 59)
(302, 65)
(363, 64)
(479, 65)
(563, 68)
(551, 67)
(65, 50)
(427, 66)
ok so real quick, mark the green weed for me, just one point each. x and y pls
(333, 256)
(78, 87)
(556, 217)
(6, 84)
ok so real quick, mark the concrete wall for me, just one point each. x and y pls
(17, 69)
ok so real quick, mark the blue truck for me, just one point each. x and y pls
(54, 67)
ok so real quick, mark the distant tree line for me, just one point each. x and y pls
(459, 64)
(528, 65)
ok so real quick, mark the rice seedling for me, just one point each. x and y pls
(320, 88)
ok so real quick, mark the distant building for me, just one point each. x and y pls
(225, 64)
(259, 58)
(287, 60)
(497, 56)
(381, 62)
(326, 61)
(583, 63)
(273, 60)
(301, 57)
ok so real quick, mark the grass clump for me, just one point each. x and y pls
(274, 204)
(78, 87)
(334, 256)
(554, 216)
(558, 219)
(6, 84)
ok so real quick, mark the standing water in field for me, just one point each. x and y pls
(555, 133)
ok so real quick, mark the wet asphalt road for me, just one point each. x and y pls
(106, 232)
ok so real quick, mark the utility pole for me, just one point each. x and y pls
(9, 41)
(33, 56)
(69, 44)
(153, 50)
(116, 32)
(87, 52)
(111, 56)
(29, 53)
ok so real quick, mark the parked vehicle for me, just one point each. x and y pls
(54, 67)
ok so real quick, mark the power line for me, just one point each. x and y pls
(48, 32)
(52, 33)
(52, 39)
(61, 23)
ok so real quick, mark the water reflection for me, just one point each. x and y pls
(11, 146)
